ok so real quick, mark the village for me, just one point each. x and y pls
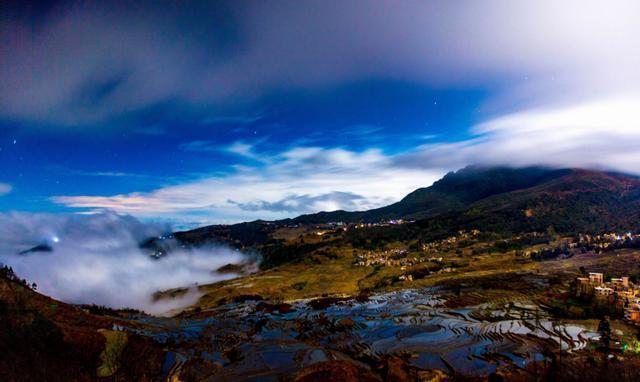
(391, 258)
(432, 252)
(582, 243)
(325, 228)
(611, 240)
(619, 292)
(398, 257)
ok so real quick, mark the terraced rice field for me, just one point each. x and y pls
(255, 340)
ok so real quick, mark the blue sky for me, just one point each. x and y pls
(154, 152)
(205, 112)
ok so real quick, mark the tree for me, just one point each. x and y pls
(604, 328)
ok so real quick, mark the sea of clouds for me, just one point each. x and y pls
(96, 259)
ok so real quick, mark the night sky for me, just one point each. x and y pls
(200, 112)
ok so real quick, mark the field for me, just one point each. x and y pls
(468, 268)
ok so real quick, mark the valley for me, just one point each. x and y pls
(484, 289)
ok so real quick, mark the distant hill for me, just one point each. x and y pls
(498, 199)
(37, 248)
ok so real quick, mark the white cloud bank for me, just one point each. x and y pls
(96, 259)
(600, 134)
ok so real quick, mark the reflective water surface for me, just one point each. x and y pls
(254, 340)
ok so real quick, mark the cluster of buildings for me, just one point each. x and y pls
(398, 258)
(392, 258)
(409, 277)
(585, 243)
(619, 291)
(452, 240)
(335, 225)
(608, 240)
(389, 258)
(384, 223)
(566, 250)
(327, 228)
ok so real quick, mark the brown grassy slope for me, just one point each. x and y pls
(42, 339)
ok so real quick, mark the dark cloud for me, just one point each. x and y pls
(86, 62)
(304, 203)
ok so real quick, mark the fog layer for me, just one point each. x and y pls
(96, 259)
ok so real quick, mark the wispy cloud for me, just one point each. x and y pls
(153, 130)
(116, 174)
(201, 146)
(361, 130)
(244, 119)
(298, 180)
(5, 188)
(240, 148)
(246, 150)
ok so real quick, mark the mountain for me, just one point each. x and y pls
(498, 199)
(454, 191)
(570, 201)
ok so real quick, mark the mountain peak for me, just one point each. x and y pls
(459, 190)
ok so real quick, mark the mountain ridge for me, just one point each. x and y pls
(450, 192)
(497, 199)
